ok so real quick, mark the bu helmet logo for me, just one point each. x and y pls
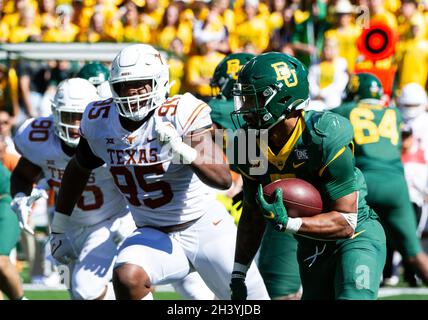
(354, 84)
(283, 72)
(233, 68)
(374, 89)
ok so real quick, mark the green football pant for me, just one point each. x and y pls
(388, 196)
(278, 263)
(9, 229)
(348, 269)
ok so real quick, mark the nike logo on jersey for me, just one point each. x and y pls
(150, 140)
(295, 166)
(217, 222)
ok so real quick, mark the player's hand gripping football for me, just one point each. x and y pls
(275, 212)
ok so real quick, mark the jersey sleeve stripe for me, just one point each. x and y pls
(194, 115)
(337, 155)
(200, 131)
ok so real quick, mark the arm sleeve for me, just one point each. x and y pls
(85, 157)
(338, 177)
(249, 190)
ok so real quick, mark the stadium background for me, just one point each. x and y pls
(43, 42)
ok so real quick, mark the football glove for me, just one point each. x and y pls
(274, 212)
(22, 210)
(168, 135)
(39, 191)
(62, 248)
(238, 288)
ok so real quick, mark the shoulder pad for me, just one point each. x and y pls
(33, 135)
(192, 114)
(95, 112)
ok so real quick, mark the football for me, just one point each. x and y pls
(300, 197)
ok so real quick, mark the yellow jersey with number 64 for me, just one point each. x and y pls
(377, 135)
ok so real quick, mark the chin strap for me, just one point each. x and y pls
(300, 106)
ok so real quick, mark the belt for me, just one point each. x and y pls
(173, 228)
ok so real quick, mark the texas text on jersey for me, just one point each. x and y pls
(159, 191)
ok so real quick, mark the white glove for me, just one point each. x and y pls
(166, 132)
(168, 135)
(22, 209)
(62, 248)
(39, 191)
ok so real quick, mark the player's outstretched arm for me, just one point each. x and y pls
(24, 176)
(73, 182)
(249, 236)
(250, 232)
(210, 164)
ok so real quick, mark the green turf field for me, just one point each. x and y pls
(63, 295)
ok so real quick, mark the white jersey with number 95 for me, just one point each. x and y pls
(159, 191)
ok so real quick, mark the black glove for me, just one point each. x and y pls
(238, 289)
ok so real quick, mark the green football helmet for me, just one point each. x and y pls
(95, 72)
(363, 86)
(226, 73)
(269, 88)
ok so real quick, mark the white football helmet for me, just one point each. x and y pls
(412, 101)
(69, 103)
(139, 62)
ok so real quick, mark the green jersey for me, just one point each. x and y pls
(376, 134)
(4, 184)
(319, 151)
(220, 112)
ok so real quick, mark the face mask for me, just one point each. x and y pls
(412, 112)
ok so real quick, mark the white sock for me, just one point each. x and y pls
(110, 292)
(149, 296)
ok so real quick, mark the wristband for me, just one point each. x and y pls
(188, 153)
(293, 225)
(239, 270)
